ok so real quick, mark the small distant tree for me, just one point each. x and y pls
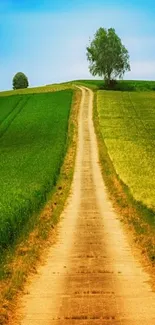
(107, 55)
(20, 81)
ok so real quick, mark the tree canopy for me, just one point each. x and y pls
(107, 55)
(20, 81)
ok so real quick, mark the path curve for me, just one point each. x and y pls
(90, 276)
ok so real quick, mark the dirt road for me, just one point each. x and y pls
(90, 276)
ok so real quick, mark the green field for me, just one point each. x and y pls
(6, 107)
(122, 85)
(127, 121)
(33, 142)
(36, 90)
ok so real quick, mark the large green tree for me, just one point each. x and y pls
(20, 81)
(107, 55)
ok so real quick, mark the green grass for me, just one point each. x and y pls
(32, 149)
(35, 90)
(7, 106)
(14, 104)
(123, 85)
(127, 122)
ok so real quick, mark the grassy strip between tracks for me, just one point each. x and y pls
(22, 259)
(131, 212)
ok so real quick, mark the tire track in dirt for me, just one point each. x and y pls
(90, 276)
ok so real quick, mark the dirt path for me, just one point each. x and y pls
(90, 276)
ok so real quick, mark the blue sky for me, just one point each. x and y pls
(47, 39)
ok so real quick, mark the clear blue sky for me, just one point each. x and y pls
(46, 39)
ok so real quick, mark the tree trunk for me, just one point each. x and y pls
(108, 81)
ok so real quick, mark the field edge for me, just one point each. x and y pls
(29, 253)
(130, 211)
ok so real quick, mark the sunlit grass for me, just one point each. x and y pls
(36, 90)
(127, 123)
